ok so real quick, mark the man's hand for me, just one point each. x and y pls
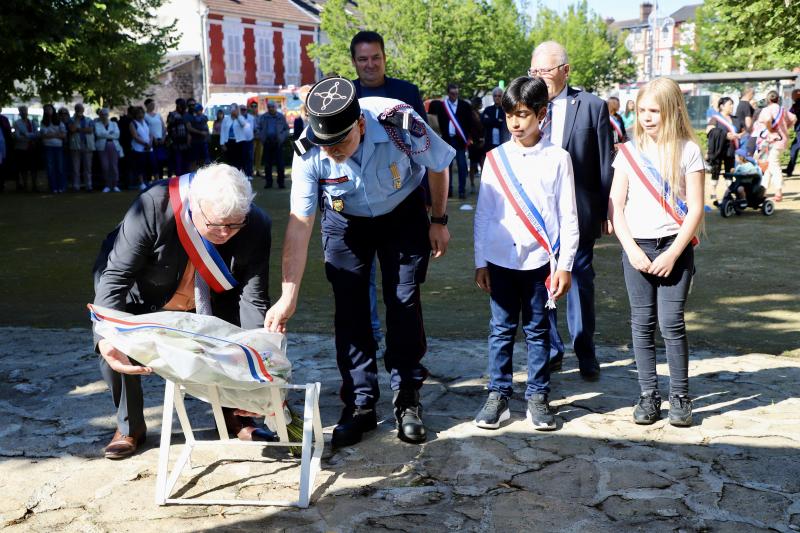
(607, 227)
(279, 314)
(560, 283)
(439, 236)
(482, 279)
(119, 361)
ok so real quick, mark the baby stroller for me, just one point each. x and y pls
(747, 177)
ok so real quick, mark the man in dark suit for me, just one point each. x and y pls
(578, 122)
(495, 130)
(455, 122)
(145, 267)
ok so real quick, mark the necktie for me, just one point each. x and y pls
(547, 124)
(202, 295)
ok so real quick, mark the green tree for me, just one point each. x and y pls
(736, 36)
(598, 57)
(108, 51)
(474, 43)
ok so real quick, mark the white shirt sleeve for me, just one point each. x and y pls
(567, 215)
(483, 210)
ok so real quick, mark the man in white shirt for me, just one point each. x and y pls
(236, 138)
(578, 122)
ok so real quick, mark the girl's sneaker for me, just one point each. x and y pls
(494, 412)
(680, 410)
(648, 409)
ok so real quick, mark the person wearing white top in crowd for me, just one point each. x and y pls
(656, 209)
(141, 144)
(53, 132)
(236, 138)
(106, 144)
(526, 206)
(155, 122)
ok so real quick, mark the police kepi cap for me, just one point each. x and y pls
(332, 108)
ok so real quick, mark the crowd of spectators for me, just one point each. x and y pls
(80, 154)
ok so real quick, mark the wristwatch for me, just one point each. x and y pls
(440, 220)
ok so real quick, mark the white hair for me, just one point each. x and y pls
(497, 90)
(551, 48)
(223, 189)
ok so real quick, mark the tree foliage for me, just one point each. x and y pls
(598, 57)
(108, 51)
(475, 43)
(742, 36)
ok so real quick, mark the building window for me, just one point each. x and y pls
(234, 57)
(291, 56)
(265, 57)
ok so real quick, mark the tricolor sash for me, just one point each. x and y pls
(201, 252)
(451, 115)
(656, 185)
(255, 363)
(530, 216)
(617, 127)
(778, 117)
(723, 121)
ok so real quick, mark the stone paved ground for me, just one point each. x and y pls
(736, 470)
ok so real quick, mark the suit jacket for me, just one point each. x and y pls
(142, 261)
(589, 140)
(493, 117)
(464, 117)
(398, 89)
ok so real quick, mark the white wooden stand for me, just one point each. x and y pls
(309, 462)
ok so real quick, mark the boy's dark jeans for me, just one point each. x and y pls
(515, 291)
(653, 298)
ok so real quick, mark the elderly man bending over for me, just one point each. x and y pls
(154, 260)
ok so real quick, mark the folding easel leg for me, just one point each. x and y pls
(216, 408)
(166, 435)
(307, 464)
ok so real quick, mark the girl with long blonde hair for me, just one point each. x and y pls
(657, 209)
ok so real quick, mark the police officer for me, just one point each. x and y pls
(362, 162)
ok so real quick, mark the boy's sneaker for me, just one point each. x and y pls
(680, 411)
(494, 412)
(539, 413)
(648, 409)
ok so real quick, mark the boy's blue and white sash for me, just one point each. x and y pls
(530, 216)
(656, 185)
(201, 252)
(451, 115)
(723, 121)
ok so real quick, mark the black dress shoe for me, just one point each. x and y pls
(556, 363)
(590, 372)
(408, 413)
(355, 421)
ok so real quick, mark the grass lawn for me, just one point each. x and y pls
(746, 294)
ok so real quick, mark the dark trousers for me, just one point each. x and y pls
(245, 149)
(179, 160)
(718, 164)
(126, 391)
(516, 292)
(273, 155)
(232, 156)
(795, 148)
(663, 299)
(580, 311)
(461, 164)
(401, 241)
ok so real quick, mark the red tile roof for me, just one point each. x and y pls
(276, 10)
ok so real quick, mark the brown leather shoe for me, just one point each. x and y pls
(122, 446)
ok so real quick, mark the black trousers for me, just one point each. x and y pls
(401, 241)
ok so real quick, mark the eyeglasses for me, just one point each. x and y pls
(539, 71)
(212, 227)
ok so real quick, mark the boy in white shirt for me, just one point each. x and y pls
(526, 236)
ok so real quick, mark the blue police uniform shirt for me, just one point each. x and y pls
(366, 184)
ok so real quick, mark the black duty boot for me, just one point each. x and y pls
(408, 412)
(355, 421)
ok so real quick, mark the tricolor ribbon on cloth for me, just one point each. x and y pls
(201, 252)
(656, 185)
(617, 127)
(764, 135)
(255, 364)
(726, 123)
(530, 216)
(452, 116)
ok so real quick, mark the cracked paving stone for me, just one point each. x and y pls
(577, 480)
(634, 477)
(637, 511)
(766, 507)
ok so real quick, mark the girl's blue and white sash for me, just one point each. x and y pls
(451, 115)
(656, 185)
(202, 253)
(522, 204)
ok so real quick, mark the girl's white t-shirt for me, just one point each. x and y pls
(645, 216)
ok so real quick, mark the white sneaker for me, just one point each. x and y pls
(116, 189)
(142, 187)
(106, 189)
